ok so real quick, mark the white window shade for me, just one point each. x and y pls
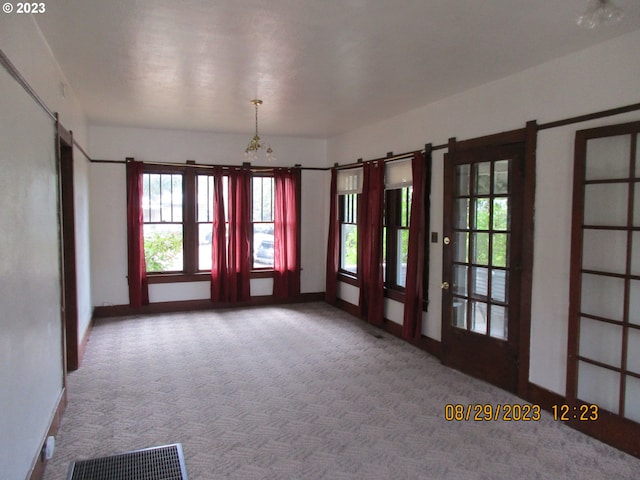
(398, 174)
(349, 181)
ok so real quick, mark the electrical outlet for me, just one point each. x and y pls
(48, 448)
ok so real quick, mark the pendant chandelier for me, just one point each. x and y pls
(600, 12)
(256, 149)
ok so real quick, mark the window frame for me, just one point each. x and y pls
(395, 221)
(345, 275)
(252, 222)
(190, 272)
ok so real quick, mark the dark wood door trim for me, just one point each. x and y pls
(64, 149)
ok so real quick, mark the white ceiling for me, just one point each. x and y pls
(322, 67)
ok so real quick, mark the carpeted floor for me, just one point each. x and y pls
(302, 392)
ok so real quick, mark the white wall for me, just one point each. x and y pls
(108, 203)
(602, 77)
(31, 341)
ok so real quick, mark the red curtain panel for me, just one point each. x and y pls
(333, 242)
(370, 243)
(412, 322)
(219, 290)
(239, 252)
(286, 275)
(137, 269)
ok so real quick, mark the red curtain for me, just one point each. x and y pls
(333, 243)
(412, 324)
(137, 269)
(286, 275)
(239, 252)
(370, 212)
(219, 290)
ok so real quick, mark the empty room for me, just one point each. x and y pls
(346, 239)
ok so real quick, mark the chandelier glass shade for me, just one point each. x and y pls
(600, 12)
(256, 149)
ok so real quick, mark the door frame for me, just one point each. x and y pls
(528, 137)
(68, 275)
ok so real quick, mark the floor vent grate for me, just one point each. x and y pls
(157, 463)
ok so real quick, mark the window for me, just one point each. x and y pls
(398, 179)
(178, 214)
(262, 199)
(396, 234)
(163, 221)
(204, 218)
(349, 186)
(348, 206)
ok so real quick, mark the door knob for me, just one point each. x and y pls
(444, 285)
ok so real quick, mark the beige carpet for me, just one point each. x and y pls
(302, 392)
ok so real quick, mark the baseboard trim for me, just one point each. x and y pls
(205, 304)
(39, 464)
(427, 344)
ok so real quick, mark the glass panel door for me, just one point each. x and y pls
(482, 261)
(604, 358)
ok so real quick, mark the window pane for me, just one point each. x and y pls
(205, 198)
(405, 205)
(204, 246)
(462, 213)
(462, 180)
(608, 157)
(633, 351)
(461, 247)
(479, 281)
(459, 317)
(600, 341)
(636, 203)
(166, 198)
(604, 250)
(632, 393)
(176, 198)
(163, 247)
(635, 253)
(606, 204)
(479, 317)
(634, 302)
(146, 200)
(482, 209)
(154, 197)
(602, 296)
(263, 245)
(262, 199)
(499, 285)
(598, 385)
(349, 248)
(482, 177)
(499, 257)
(501, 213)
(481, 248)
(402, 254)
(499, 325)
(501, 177)
(460, 279)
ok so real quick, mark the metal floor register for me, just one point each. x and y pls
(157, 463)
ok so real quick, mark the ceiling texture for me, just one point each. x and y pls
(322, 67)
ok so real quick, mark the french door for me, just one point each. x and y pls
(482, 260)
(604, 312)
